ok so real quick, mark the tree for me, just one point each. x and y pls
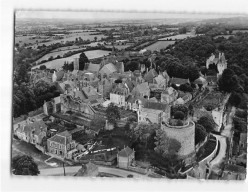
(97, 123)
(164, 145)
(186, 87)
(42, 67)
(95, 38)
(179, 115)
(144, 132)
(234, 99)
(200, 133)
(182, 30)
(82, 61)
(181, 108)
(228, 81)
(207, 122)
(113, 113)
(24, 165)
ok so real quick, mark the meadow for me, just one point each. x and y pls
(181, 36)
(159, 45)
(58, 63)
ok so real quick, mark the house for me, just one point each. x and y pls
(149, 77)
(58, 76)
(141, 90)
(134, 103)
(169, 95)
(61, 145)
(153, 112)
(201, 82)
(31, 131)
(220, 62)
(108, 69)
(94, 68)
(104, 87)
(161, 81)
(125, 157)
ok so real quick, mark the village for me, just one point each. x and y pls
(90, 127)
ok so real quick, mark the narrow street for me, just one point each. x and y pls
(225, 134)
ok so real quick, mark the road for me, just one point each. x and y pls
(72, 170)
(225, 134)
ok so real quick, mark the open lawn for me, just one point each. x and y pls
(159, 45)
(58, 63)
(55, 54)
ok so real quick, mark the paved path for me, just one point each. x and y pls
(70, 171)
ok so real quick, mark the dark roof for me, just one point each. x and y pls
(179, 81)
(155, 105)
(125, 152)
(58, 139)
(150, 75)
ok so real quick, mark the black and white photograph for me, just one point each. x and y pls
(152, 95)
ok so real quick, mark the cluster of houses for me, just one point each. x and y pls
(86, 94)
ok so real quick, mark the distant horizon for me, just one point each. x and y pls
(117, 15)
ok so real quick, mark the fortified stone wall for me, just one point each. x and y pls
(184, 134)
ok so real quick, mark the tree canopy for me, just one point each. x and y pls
(24, 165)
(113, 113)
(83, 59)
(207, 122)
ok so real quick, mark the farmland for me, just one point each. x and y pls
(55, 54)
(28, 39)
(181, 36)
(159, 45)
(71, 37)
(58, 63)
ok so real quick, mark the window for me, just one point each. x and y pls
(60, 146)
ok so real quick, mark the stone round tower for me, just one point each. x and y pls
(184, 134)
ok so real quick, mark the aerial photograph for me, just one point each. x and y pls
(132, 95)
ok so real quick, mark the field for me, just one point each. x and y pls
(72, 37)
(27, 39)
(159, 45)
(182, 36)
(60, 62)
(55, 54)
(119, 46)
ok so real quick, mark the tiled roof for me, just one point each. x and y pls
(93, 67)
(125, 152)
(200, 80)
(150, 75)
(155, 105)
(65, 134)
(143, 87)
(58, 139)
(108, 69)
(60, 75)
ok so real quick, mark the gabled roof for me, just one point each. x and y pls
(126, 152)
(150, 75)
(108, 69)
(60, 137)
(143, 87)
(93, 67)
(60, 75)
(201, 81)
(155, 105)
